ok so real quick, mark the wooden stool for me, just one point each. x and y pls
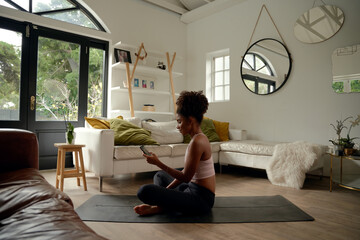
(61, 173)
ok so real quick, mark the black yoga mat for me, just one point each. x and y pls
(119, 208)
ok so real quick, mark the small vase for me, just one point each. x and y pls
(70, 137)
(338, 150)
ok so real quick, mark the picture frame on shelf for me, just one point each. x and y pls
(144, 84)
(122, 55)
(152, 85)
(136, 82)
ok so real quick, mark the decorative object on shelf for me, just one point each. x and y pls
(344, 145)
(161, 65)
(149, 107)
(122, 55)
(152, 85)
(346, 74)
(319, 23)
(266, 64)
(144, 83)
(136, 82)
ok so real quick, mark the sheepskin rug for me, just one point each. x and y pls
(291, 161)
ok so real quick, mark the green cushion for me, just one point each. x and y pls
(208, 128)
(127, 133)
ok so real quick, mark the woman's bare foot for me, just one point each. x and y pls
(145, 209)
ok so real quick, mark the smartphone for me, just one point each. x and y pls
(145, 151)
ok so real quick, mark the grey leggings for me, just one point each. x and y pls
(185, 198)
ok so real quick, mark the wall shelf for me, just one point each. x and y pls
(146, 70)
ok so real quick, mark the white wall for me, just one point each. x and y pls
(306, 105)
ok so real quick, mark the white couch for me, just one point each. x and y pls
(105, 159)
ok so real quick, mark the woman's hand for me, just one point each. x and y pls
(152, 159)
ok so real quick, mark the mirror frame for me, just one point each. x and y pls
(287, 75)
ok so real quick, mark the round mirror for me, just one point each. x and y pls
(265, 66)
(319, 24)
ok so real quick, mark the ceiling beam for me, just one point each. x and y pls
(208, 9)
(177, 8)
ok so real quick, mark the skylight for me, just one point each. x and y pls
(63, 10)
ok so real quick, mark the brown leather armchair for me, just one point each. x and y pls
(31, 208)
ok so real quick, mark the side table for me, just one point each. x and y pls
(60, 168)
(346, 181)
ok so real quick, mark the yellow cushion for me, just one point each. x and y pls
(98, 123)
(222, 129)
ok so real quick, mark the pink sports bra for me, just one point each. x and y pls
(205, 168)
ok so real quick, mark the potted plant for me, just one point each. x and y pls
(69, 133)
(346, 145)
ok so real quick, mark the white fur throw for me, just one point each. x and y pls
(290, 162)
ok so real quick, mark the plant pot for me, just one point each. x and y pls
(338, 150)
(349, 151)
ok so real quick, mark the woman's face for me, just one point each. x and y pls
(182, 124)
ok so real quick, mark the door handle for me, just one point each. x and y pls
(32, 103)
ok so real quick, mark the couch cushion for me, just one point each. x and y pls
(164, 132)
(250, 147)
(208, 128)
(127, 133)
(134, 152)
(180, 149)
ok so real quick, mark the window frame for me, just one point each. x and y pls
(77, 6)
(210, 78)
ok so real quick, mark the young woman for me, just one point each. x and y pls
(191, 190)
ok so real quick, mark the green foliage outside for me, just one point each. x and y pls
(355, 86)
(57, 79)
(9, 76)
(338, 87)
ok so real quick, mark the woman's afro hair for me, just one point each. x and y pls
(192, 104)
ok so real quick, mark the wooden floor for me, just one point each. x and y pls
(337, 213)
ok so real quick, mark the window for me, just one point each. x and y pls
(218, 76)
(346, 83)
(64, 10)
(256, 78)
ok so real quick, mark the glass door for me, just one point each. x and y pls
(13, 92)
(47, 77)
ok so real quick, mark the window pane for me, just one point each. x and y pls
(22, 3)
(10, 72)
(227, 92)
(227, 62)
(3, 3)
(219, 63)
(219, 78)
(57, 83)
(338, 87)
(75, 17)
(250, 59)
(259, 63)
(263, 88)
(227, 77)
(265, 70)
(47, 5)
(355, 86)
(250, 84)
(219, 93)
(95, 83)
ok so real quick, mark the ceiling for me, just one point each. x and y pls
(192, 10)
(180, 6)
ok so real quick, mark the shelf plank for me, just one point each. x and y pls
(143, 112)
(141, 91)
(147, 70)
